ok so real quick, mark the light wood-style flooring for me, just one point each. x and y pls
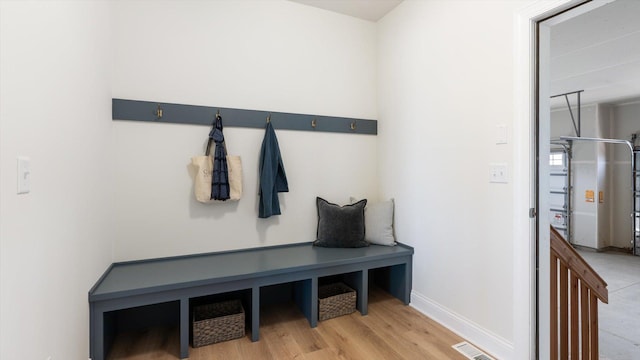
(391, 330)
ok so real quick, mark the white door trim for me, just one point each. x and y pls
(524, 128)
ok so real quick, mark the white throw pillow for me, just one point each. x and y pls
(378, 223)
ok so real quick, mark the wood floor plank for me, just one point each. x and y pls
(345, 345)
(405, 346)
(367, 337)
(431, 349)
(307, 339)
(432, 339)
(278, 337)
(391, 330)
(324, 354)
(255, 350)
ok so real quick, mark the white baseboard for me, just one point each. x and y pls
(493, 344)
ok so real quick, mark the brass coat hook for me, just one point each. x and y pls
(158, 112)
(268, 118)
(313, 123)
(353, 125)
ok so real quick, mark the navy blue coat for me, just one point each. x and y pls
(272, 176)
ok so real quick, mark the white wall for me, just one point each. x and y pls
(54, 108)
(261, 55)
(446, 80)
(438, 106)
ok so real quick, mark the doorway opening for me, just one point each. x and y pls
(587, 168)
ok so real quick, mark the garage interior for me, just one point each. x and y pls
(594, 171)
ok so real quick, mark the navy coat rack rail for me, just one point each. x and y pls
(137, 110)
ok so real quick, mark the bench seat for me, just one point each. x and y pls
(132, 284)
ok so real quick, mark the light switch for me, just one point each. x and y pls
(498, 173)
(24, 175)
(501, 134)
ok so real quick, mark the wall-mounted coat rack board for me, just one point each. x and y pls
(204, 115)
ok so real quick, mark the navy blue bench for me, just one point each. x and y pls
(133, 284)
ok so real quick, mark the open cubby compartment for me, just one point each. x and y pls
(243, 295)
(140, 318)
(391, 278)
(351, 279)
(293, 292)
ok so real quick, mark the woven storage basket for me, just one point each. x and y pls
(213, 323)
(335, 300)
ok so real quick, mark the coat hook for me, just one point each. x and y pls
(313, 123)
(218, 112)
(353, 125)
(268, 118)
(159, 112)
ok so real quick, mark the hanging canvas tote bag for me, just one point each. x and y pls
(234, 164)
(203, 176)
(229, 172)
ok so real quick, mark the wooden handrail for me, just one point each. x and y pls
(575, 290)
(576, 263)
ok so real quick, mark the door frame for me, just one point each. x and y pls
(531, 129)
(530, 281)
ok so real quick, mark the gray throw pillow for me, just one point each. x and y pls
(340, 226)
(378, 223)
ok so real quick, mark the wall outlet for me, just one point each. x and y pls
(498, 173)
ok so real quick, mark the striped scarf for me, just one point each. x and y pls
(220, 178)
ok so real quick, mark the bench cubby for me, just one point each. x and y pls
(243, 295)
(135, 289)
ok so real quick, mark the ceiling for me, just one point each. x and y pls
(372, 10)
(598, 52)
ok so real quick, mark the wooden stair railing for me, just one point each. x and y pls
(575, 290)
